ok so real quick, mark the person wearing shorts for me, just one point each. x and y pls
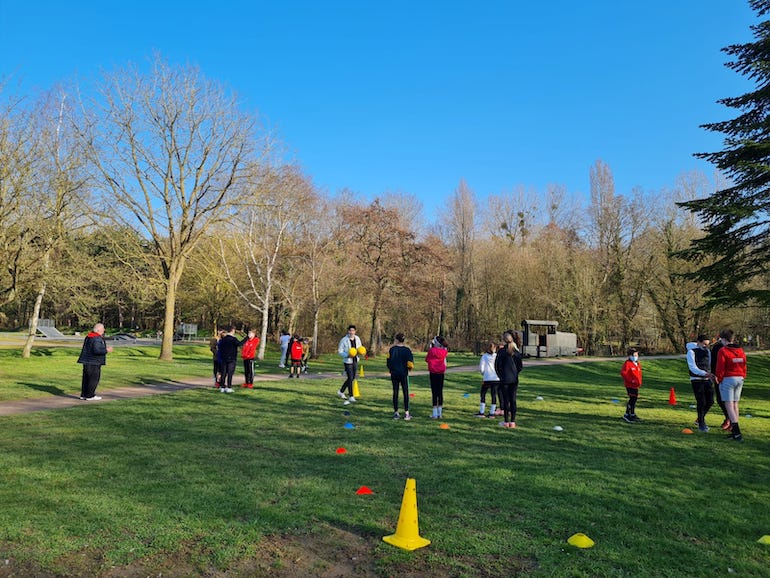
(730, 374)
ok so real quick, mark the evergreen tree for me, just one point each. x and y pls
(734, 252)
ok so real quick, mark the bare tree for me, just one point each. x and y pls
(678, 299)
(384, 249)
(60, 197)
(617, 224)
(265, 225)
(176, 156)
(460, 223)
(19, 177)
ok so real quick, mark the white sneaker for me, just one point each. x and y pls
(351, 398)
(282, 366)
(346, 402)
(342, 395)
(222, 390)
(407, 417)
(228, 390)
(94, 398)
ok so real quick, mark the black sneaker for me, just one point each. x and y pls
(628, 418)
(634, 418)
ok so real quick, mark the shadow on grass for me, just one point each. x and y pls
(50, 389)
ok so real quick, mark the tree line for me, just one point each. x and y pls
(153, 198)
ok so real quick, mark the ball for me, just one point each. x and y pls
(352, 352)
(362, 350)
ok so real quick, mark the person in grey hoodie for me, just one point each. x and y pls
(701, 378)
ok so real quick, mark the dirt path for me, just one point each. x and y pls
(129, 392)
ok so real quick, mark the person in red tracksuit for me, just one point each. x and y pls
(730, 374)
(248, 352)
(295, 356)
(631, 372)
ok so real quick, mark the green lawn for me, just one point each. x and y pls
(250, 484)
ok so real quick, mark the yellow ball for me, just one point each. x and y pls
(362, 350)
(352, 352)
(409, 365)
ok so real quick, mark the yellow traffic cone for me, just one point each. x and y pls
(407, 536)
(361, 370)
(356, 392)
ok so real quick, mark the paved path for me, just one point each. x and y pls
(129, 392)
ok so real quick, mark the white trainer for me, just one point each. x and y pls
(351, 398)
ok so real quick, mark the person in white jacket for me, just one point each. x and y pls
(489, 380)
(701, 378)
(347, 343)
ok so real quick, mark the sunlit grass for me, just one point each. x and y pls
(205, 476)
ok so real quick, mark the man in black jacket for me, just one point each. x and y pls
(714, 354)
(93, 356)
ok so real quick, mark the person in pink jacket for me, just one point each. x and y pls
(436, 360)
(730, 373)
(631, 372)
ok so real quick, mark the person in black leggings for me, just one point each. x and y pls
(436, 360)
(507, 366)
(400, 361)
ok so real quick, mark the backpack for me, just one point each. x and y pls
(296, 351)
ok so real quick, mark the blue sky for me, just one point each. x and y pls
(413, 96)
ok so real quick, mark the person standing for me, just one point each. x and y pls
(489, 380)
(248, 353)
(92, 356)
(228, 356)
(699, 364)
(284, 341)
(347, 344)
(400, 361)
(295, 356)
(305, 353)
(730, 374)
(631, 372)
(508, 365)
(719, 344)
(213, 345)
(436, 360)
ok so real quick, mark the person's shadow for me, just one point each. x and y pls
(51, 389)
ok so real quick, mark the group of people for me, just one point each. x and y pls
(400, 361)
(224, 349)
(295, 353)
(719, 370)
(500, 367)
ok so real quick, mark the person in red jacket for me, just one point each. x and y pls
(631, 372)
(248, 352)
(730, 374)
(295, 356)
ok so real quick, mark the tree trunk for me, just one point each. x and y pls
(314, 344)
(167, 344)
(33, 322)
(265, 310)
(172, 283)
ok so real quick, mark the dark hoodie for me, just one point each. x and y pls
(94, 350)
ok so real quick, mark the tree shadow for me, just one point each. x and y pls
(50, 389)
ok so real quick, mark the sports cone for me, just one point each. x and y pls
(407, 536)
(356, 392)
(671, 397)
(361, 370)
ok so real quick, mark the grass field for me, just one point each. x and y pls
(197, 483)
